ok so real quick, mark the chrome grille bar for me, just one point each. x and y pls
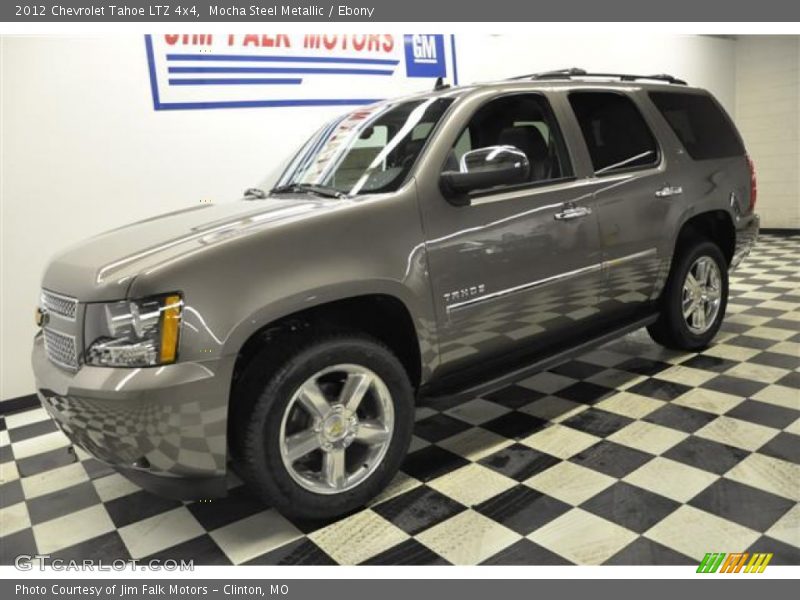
(61, 349)
(59, 304)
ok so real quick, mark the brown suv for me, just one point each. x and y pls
(444, 244)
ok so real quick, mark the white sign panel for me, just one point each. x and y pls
(201, 71)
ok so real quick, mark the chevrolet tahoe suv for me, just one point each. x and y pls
(445, 244)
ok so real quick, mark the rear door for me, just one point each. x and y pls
(632, 195)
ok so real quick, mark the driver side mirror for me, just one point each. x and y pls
(485, 168)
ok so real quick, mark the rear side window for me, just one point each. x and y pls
(700, 124)
(615, 132)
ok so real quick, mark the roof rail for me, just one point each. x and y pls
(577, 73)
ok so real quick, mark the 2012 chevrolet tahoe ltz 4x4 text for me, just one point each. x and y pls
(443, 244)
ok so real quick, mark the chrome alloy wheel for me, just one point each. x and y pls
(702, 291)
(336, 429)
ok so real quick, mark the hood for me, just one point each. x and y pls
(103, 267)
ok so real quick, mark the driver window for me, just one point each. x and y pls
(524, 121)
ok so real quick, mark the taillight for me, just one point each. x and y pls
(753, 184)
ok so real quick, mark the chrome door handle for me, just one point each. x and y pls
(669, 190)
(573, 212)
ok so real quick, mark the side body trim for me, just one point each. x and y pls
(604, 265)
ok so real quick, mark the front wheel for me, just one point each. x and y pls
(694, 299)
(329, 429)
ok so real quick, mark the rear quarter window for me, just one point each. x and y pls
(700, 124)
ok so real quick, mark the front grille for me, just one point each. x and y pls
(60, 305)
(61, 349)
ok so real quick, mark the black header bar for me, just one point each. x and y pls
(321, 11)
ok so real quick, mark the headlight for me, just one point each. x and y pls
(134, 333)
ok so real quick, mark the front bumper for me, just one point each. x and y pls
(746, 237)
(162, 427)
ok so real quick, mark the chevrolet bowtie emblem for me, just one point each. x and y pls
(41, 317)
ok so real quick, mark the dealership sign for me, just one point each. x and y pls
(195, 71)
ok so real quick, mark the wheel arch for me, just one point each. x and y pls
(382, 316)
(714, 225)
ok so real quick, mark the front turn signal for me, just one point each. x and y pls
(170, 328)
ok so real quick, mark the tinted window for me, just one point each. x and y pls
(614, 130)
(700, 124)
(524, 121)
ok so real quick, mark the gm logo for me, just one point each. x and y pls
(425, 55)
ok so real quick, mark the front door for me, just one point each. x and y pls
(516, 266)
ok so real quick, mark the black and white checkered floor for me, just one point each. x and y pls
(631, 454)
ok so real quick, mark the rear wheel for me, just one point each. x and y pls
(694, 299)
(328, 429)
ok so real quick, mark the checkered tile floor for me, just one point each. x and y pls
(631, 454)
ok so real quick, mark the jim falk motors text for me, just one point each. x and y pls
(287, 10)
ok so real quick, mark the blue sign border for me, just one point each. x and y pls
(159, 105)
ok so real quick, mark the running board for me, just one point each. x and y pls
(454, 393)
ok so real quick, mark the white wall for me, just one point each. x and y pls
(83, 150)
(768, 115)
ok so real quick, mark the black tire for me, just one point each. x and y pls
(266, 392)
(671, 329)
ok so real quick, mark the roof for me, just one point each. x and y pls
(568, 78)
(565, 78)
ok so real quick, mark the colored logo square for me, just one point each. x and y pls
(425, 55)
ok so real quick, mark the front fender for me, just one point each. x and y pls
(284, 307)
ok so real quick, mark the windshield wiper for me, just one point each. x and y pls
(257, 193)
(320, 190)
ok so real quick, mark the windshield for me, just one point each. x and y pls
(366, 151)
